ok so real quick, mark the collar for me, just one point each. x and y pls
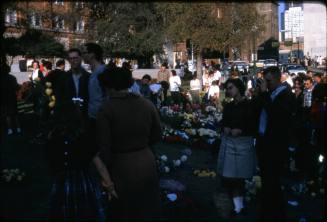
(277, 91)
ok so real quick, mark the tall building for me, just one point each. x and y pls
(293, 24)
(315, 22)
(292, 4)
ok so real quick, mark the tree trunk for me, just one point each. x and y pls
(199, 65)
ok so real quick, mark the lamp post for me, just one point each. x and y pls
(254, 29)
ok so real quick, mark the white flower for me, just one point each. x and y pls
(166, 169)
(5, 171)
(210, 109)
(177, 162)
(183, 158)
(19, 178)
(164, 158)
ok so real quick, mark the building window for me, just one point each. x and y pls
(79, 4)
(35, 20)
(79, 26)
(59, 2)
(11, 17)
(59, 23)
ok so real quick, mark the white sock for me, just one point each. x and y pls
(10, 131)
(238, 203)
(237, 206)
(241, 202)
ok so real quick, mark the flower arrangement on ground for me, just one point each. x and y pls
(12, 175)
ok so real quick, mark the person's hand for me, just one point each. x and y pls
(262, 84)
(227, 130)
(236, 132)
(110, 188)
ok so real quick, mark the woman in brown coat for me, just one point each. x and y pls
(127, 126)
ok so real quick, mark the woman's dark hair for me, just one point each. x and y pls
(37, 62)
(147, 76)
(126, 65)
(173, 72)
(96, 49)
(116, 78)
(60, 62)
(238, 84)
(298, 79)
(164, 65)
(48, 65)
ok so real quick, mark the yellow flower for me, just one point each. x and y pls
(195, 172)
(48, 84)
(48, 91)
(51, 104)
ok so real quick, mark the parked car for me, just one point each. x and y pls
(270, 62)
(295, 69)
(258, 64)
(241, 66)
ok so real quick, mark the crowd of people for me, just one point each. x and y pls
(111, 120)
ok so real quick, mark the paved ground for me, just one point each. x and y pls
(206, 199)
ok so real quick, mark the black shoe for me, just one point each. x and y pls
(243, 212)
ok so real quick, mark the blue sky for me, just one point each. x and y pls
(281, 9)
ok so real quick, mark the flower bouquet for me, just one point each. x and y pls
(12, 176)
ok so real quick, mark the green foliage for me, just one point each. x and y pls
(34, 43)
(128, 29)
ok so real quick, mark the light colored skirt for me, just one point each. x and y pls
(237, 158)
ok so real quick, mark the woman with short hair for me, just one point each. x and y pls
(236, 160)
(127, 126)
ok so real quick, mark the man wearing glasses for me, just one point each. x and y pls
(92, 55)
(77, 79)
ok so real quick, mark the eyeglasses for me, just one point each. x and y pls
(229, 87)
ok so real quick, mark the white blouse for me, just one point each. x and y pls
(174, 83)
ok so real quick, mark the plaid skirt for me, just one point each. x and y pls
(76, 196)
(236, 157)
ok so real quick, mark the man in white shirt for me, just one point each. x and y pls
(174, 85)
(217, 75)
(213, 93)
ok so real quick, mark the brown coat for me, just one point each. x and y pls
(163, 75)
(127, 125)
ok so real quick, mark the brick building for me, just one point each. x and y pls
(65, 20)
